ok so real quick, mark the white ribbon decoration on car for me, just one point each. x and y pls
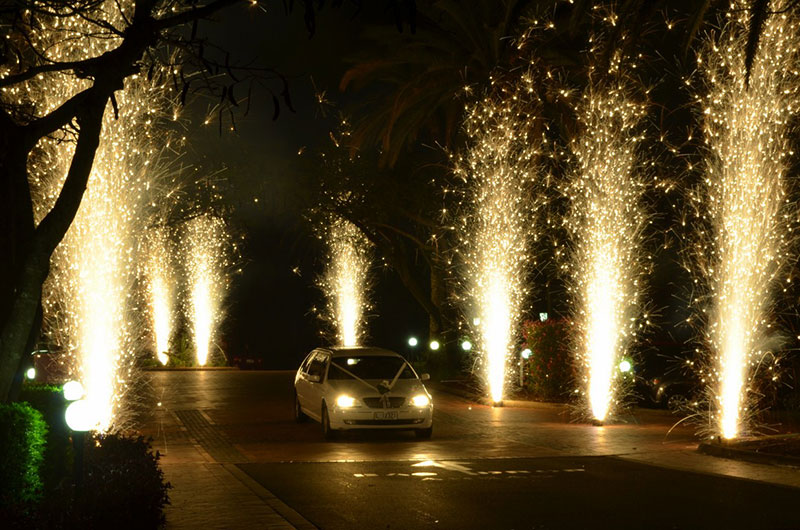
(384, 397)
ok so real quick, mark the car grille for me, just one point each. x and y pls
(413, 421)
(377, 403)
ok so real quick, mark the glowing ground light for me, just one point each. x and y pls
(605, 225)
(434, 345)
(744, 199)
(73, 391)
(498, 171)
(625, 366)
(412, 341)
(207, 264)
(345, 281)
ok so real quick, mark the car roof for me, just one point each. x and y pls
(349, 351)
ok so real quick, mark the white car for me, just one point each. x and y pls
(362, 388)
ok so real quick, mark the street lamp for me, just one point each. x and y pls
(412, 341)
(80, 419)
(435, 345)
(524, 355)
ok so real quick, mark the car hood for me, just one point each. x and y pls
(355, 388)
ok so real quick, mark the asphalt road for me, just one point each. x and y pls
(484, 468)
(527, 493)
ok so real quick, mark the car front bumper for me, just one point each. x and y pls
(369, 418)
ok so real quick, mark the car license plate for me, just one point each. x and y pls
(391, 415)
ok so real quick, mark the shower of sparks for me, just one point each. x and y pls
(499, 173)
(605, 225)
(346, 280)
(744, 199)
(159, 291)
(208, 264)
(87, 297)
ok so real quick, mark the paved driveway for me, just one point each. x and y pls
(235, 431)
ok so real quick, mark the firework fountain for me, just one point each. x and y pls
(87, 295)
(744, 200)
(605, 224)
(499, 174)
(159, 290)
(207, 262)
(346, 280)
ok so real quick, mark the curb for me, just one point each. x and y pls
(726, 451)
(189, 368)
(287, 512)
(525, 404)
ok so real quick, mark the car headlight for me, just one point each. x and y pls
(344, 401)
(421, 400)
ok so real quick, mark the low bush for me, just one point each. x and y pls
(548, 372)
(49, 400)
(181, 351)
(123, 487)
(22, 441)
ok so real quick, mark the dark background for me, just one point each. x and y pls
(264, 165)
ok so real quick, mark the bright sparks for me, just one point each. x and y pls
(605, 225)
(345, 281)
(499, 174)
(744, 200)
(87, 298)
(159, 290)
(207, 264)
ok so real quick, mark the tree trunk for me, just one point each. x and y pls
(16, 328)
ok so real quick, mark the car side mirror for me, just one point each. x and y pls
(424, 377)
(313, 378)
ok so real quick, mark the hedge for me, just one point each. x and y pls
(23, 432)
(49, 400)
(123, 486)
(549, 369)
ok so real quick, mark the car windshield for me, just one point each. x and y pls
(369, 367)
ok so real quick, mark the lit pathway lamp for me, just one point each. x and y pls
(524, 355)
(79, 419)
(412, 344)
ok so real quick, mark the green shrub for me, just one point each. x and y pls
(548, 371)
(181, 352)
(123, 486)
(49, 400)
(22, 442)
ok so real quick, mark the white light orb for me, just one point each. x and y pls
(435, 345)
(476, 321)
(625, 366)
(80, 416)
(466, 345)
(412, 341)
(30, 373)
(73, 390)
(526, 353)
